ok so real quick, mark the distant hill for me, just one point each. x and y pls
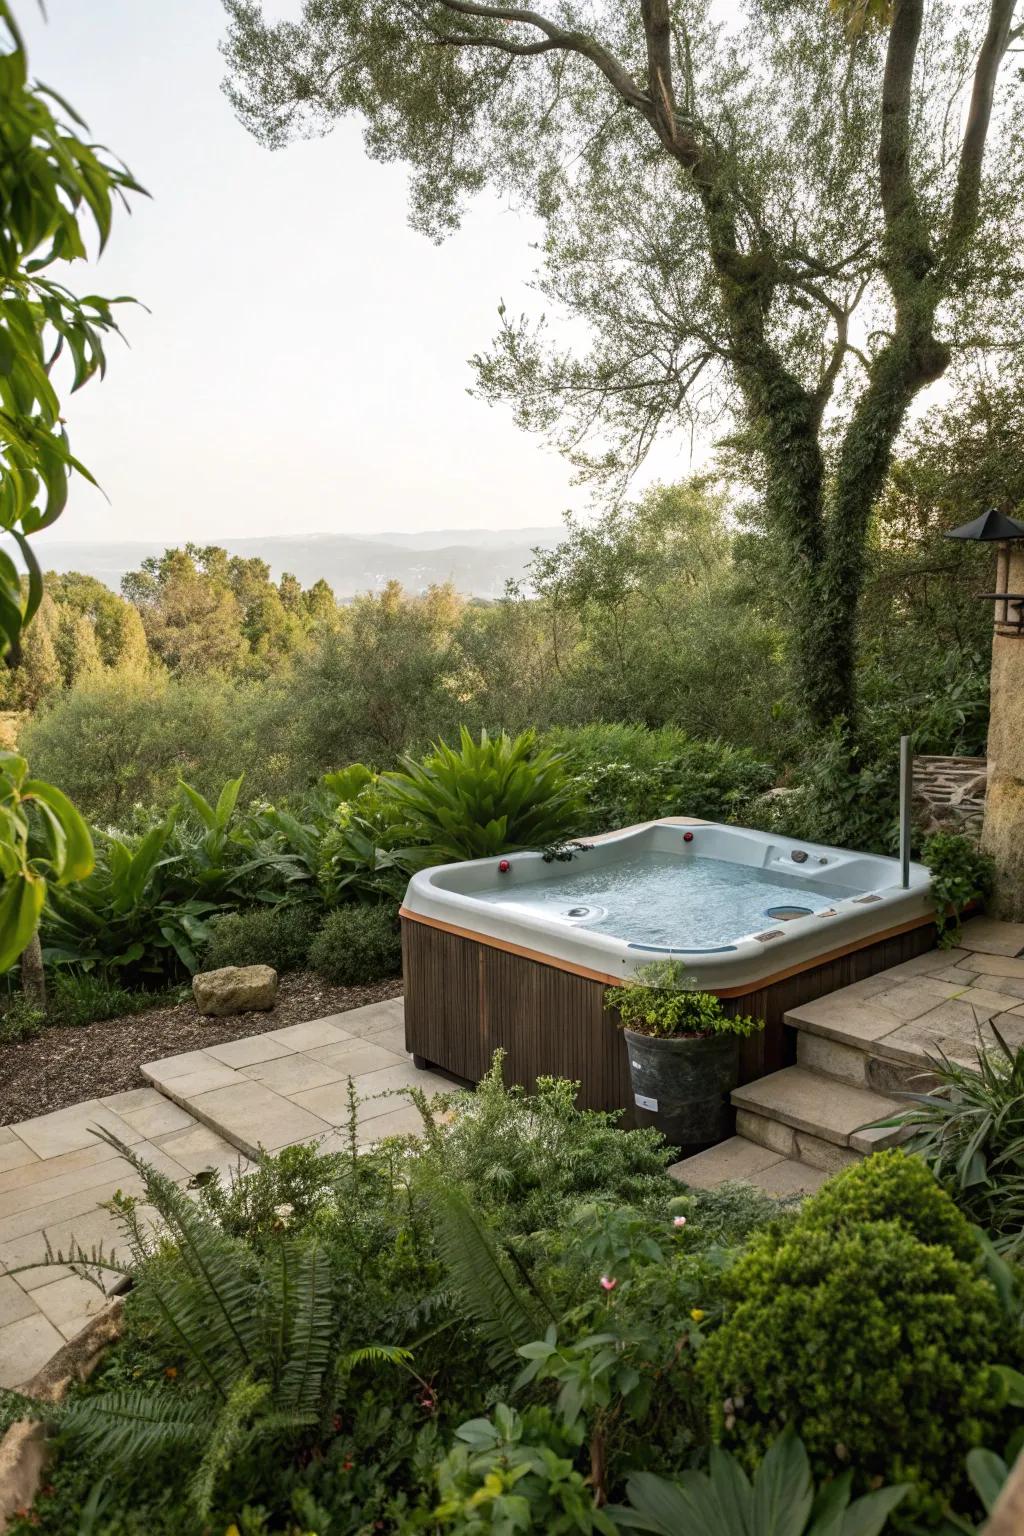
(478, 561)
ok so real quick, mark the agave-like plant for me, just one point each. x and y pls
(970, 1131)
(486, 797)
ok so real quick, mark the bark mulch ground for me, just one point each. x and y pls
(66, 1064)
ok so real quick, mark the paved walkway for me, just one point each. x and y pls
(205, 1109)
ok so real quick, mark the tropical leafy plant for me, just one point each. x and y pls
(487, 797)
(44, 844)
(123, 918)
(662, 1002)
(52, 184)
(779, 1500)
(970, 1132)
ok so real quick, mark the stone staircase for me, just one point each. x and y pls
(857, 1050)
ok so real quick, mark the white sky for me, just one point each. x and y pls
(303, 367)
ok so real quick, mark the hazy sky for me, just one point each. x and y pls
(303, 367)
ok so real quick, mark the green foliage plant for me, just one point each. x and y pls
(516, 1472)
(486, 797)
(277, 936)
(356, 945)
(970, 1133)
(960, 874)
(531, 1158)
(661, 1003)
(779, 1500)
(858, 1366)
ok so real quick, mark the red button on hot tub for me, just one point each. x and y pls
(687, 837)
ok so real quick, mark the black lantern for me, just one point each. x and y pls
(994, 527)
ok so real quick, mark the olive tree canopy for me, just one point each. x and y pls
(775, 215)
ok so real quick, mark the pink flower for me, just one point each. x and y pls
(608, 1283)
(679, 1221)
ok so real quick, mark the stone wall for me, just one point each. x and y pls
(1003, 835)
(949, 792)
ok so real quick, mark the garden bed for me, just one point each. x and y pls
(68, 1063)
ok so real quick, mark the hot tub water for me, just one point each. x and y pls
(665, 900)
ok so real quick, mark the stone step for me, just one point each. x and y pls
(823, 1110)
(879, 1033)
(745, 1162)
(855, 1064)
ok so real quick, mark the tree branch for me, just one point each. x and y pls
(559, 37)
(964, 212)
(908, 253)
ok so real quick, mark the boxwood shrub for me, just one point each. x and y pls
(277, 936)
(356, 945)
(877, 1345)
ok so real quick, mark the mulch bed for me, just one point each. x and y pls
(66, 1064)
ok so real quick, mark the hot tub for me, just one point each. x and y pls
(517, 952)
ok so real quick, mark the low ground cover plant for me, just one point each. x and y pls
(517, 1322)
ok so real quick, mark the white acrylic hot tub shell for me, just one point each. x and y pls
(444, 895)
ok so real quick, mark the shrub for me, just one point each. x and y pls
(277, 936)
(529, 1158)
(960, 873)
(876, 1346)
(85, 998)
(890, 1186)
(490, 796)
(20, 1020)
(356, 945)
(659, 1003)
(627, 774)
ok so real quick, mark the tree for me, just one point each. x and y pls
(773, 219)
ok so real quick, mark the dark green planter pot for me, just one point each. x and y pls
(682, 1087)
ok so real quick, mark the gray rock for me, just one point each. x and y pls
(235, 989)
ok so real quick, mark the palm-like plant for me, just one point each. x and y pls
(486, 797)
(253, 1334)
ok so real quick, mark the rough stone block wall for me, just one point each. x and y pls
(949, 792)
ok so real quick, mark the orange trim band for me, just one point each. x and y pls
(616, 981)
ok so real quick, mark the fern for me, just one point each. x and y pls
(508, 1309)
(312, 1333)
(137, 1421)
(225, 1438)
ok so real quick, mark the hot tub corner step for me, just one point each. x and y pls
(745, 1162)
(823, 1107)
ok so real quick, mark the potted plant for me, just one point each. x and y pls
(683, 1054)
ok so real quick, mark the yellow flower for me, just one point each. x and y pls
(697, 1315)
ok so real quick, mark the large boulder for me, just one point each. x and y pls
(235, 989)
